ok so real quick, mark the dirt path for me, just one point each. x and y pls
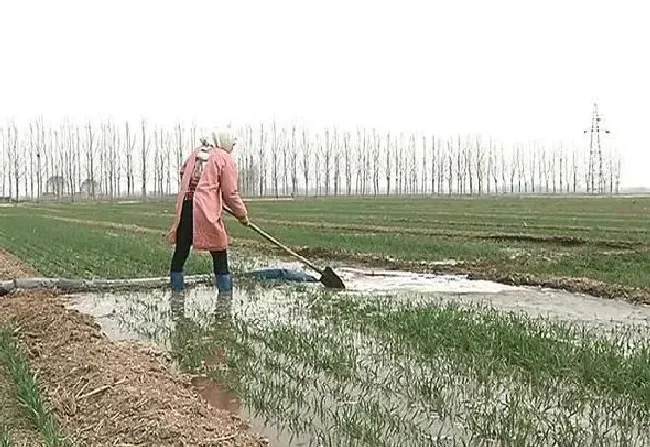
(106, 393)
(106, 224)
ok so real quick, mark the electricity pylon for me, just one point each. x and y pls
(595, 150)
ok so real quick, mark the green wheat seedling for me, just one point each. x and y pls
(28, 393)
(5, 436)
(414, 370)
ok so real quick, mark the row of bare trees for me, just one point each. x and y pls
(111, 160)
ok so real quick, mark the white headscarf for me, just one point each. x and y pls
(225, 139)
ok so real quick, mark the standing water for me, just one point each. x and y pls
(312, 367)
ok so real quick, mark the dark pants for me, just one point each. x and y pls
(184, 242)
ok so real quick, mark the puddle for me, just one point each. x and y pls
(388, 281)
(304, 381)
(534, 301)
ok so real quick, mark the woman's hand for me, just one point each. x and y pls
(243, 220)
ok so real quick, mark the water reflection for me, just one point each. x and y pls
(309, 373)
(217, 394)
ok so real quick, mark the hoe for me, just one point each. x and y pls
(328, 278)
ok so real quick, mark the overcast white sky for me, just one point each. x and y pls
(513, 69)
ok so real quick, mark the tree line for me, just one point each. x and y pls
(104, 159)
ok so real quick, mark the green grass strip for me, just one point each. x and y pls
(28, 393)
(67, 249)
(5, 437)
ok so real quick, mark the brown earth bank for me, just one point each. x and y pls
(13, 267)
(108, 393)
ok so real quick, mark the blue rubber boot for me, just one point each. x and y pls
(177, 281)
(224, 283)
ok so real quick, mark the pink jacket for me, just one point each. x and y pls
(217, 186)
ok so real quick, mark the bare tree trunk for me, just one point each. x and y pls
(359, 166)
(3, 162)
(460, 168)
(618, 174)
(318, 172)
(327, 156)
(504, 171)
(75, 175)
(533, 160)
(32, 150)
(57, 171)
(479, 165)
(399, 161)
(546, 164)
(553, 170)
(17, 159)
(35, 139)
(336, 148)
(193, 135)
(367, 162)
(515, 170)
(103, 162)
(575, 173)
(306, 157)
(158, 161)
(129, 146)
(413, 169)
(388, 166)
(262, 162)
(274, 156)
(440, 165)
(522, 171)
(425, 172)
(250, 170)
(561, 168)
(294, 163)
(90, 159)
(179, 149)
(114, 166)
(168, 162)
(490, 167)
(146, 144)
(285, 158)
(495, 170)
(567, 173)
(450, 166)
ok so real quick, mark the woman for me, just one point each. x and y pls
(208, 182)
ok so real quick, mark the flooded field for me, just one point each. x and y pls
(404, 359)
